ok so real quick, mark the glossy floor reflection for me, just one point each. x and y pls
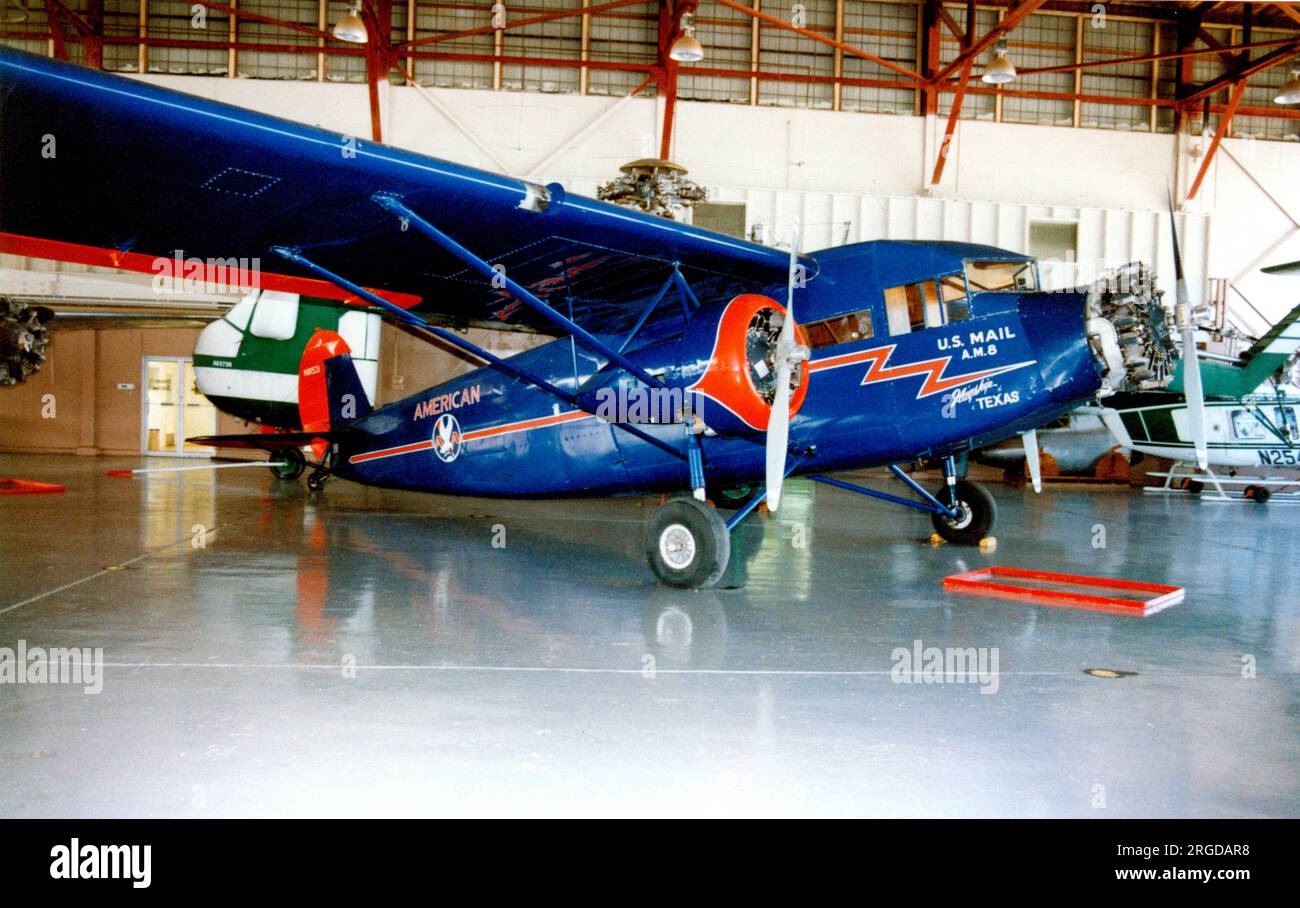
(362, 652)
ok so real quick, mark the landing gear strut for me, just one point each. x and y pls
(688, 545)
(317, 477)
(961, 511)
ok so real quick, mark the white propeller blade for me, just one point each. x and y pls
(1195, 395)
(1030, 439)
(778, 421)
(778, 436)
(1193, 391)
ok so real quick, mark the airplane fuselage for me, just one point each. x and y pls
(1018, 360)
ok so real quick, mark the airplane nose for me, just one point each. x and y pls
(1055, 327)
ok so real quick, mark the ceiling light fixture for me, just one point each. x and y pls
(687, 48)
(1000, 70)
(350, 28)
(1289, 93)
(20, 16)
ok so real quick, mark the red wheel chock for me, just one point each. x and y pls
(27, 487)
(1067, 590)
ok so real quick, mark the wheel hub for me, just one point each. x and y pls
(676, 546)
(963, 518)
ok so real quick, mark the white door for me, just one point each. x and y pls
(174, 408)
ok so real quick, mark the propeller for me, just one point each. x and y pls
(788, 354)
(1192, 388)
(1030, 440)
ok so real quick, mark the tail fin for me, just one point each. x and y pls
(330, 393)
(347, 398)
(1265, 357)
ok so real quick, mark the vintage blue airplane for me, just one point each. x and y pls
(678, 364)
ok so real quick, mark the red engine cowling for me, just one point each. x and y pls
(729, 353)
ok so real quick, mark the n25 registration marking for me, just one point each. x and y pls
(1279, 457)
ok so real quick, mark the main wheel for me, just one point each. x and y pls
(976, 512)
(687, 544)
(291, 467)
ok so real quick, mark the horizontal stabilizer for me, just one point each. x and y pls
(269, 441)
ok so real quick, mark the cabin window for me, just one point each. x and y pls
(1001, 276)
(956, 305)
(839, 330)
(1286, 422)
(912, 307)
(1246, 426)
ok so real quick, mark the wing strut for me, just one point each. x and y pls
(580, 334)
(410, 318)
(684, 293)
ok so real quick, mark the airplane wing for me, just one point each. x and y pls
(107, 170)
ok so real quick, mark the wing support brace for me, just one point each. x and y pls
(580, 334)
(684, 293)
(413, 320)
(736, 518)
(930, 505)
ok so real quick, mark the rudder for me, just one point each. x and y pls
(330, 392)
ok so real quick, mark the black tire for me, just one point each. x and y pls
(316, 481)
(1258, 494)
(687, 544)
(1193, 486)
(978, 513)
(291, 467)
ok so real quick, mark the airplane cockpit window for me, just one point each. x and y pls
(996, 277)
(839, 330)
(912, 307)
(952, 289)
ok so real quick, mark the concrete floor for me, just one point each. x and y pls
(554, 676)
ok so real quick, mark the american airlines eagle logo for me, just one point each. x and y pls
(446, 438)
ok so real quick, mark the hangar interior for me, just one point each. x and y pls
(551, 674)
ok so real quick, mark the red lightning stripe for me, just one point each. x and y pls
(932, 369)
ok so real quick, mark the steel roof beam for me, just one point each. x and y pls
(1013, 18)
(520, 23)
(1243, 72)
(1225, 120)
(822, 39)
